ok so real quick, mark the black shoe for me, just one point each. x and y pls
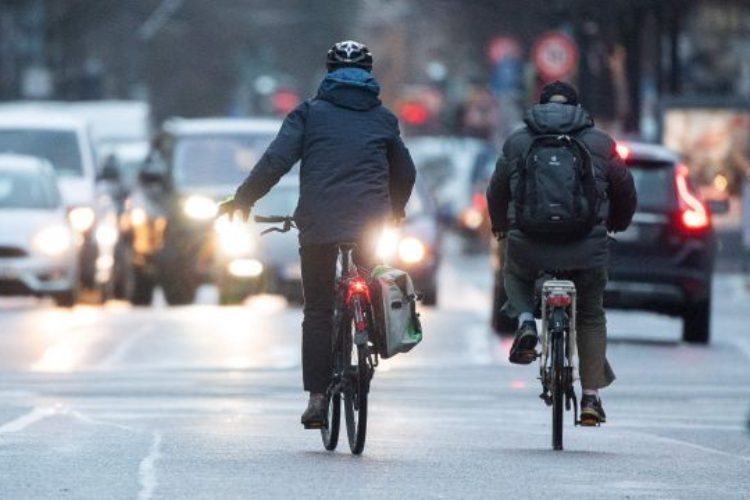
(316, 412)
(522, 351)
(592, 412)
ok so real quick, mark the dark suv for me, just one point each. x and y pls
(664, 262)
(168, 224)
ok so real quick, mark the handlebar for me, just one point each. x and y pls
(273, 219)
(288, 223)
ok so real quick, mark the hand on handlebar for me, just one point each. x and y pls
(230, 207)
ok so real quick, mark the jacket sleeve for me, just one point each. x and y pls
(498, 195)
(401, 174)
(281, 155)
(622, 195)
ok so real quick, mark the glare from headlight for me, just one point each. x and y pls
(53, 240)
(233, 238)
(106, 236)
(387, 244)
(411, 250)
(81, 218)
(472, 218)
(245, 268)
(138, 216)
(200, 207)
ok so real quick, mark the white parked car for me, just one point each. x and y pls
(38, 249)
(64, 141)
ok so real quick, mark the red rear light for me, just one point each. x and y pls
(693, 213)
(559, 300)
(479, 201)
(623, 151)
(357, 286)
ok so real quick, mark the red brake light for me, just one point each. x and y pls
(559, 300)
(479, 201)
(414, 113)
(358, 285)
(693, 213)
(623, 151)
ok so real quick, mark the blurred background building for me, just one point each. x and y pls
(447, 66)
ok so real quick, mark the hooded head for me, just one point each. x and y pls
(559, 92)
(352, 88)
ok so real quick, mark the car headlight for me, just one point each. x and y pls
(411, 250)
(106, 235)
(245, 268)
(387, 245)
(233, 238)
(472, 218)
(200, 207)
(53, 240)
(81, 218)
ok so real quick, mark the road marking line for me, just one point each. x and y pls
(28, 419)
(698, 447)
(119, 352)
(147, 469)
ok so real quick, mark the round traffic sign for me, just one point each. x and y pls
(555, 55)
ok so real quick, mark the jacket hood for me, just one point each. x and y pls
(351, 88)
(555, 118)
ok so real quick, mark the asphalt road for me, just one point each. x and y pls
(204, 402)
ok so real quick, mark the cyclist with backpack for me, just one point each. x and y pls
(558, 188)
(355, 175)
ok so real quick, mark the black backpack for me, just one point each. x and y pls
(556, 199)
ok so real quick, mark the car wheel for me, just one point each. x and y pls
(502, 324)
(229, 296)
(65, 299)
(696, 322)
(430, 296)
(179, 284)
(141, 288)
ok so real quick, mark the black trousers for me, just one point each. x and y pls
(318, 285)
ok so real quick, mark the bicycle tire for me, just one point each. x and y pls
(558, 389)
(356, 404)
(330, 432)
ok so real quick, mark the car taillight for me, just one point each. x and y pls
(693, 213)
(479, 201)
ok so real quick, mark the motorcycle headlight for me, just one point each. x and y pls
(233, 238)
(81, 218)
(411, 250)
(387, 245)
(200, 207)
(53, 240)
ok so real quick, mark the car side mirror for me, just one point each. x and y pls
(718, 206)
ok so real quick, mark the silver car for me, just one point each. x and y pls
(38, 249)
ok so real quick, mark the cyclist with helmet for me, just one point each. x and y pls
(355, 175)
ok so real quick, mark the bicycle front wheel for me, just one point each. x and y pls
(558, 389)
(355, 397)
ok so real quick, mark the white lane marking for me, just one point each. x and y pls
(694, 446)
(147, 469)
(122, 349)
(32, 417)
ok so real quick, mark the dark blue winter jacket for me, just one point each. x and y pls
(355, 170)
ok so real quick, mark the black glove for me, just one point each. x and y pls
(229, 207)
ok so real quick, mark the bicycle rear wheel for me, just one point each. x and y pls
(558, 389)
(355, 395)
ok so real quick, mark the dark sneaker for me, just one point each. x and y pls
(592, 412)
(522, 351)
(315, 414)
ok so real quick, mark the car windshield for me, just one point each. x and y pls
(59, 147)
(217, 160)
(654, 183)
(25, 190)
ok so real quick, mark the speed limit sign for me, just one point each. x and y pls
(555, 55)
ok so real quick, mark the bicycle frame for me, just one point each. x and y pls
(559, 288)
